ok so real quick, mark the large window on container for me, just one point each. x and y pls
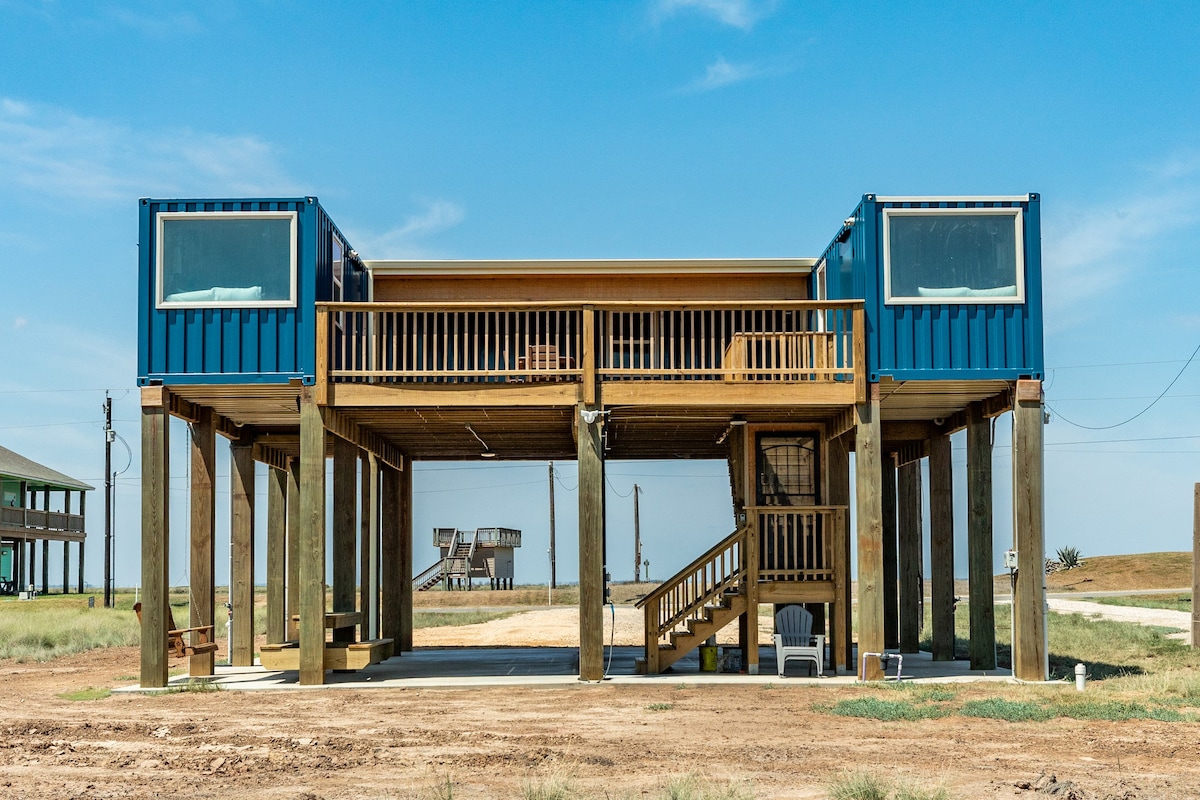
(953, 255)
(226, 259)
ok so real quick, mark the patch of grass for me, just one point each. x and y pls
(556, 787)
(859, 786)
(1007, 710)
(1171, 602)
(909, 791)
(443, 619)
(696, 787)
(52, 627)
(89, 693)
(887, 710)
(660, 706)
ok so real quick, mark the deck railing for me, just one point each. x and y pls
(798, 543)
(779, 341)
(33, 519)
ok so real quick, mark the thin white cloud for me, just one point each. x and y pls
(158, 24)
(20, 322)
(722, 73)
(404, 240)
(52, 152)
(1091, 252)
(742, 14)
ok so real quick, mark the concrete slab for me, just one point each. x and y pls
(558, 666)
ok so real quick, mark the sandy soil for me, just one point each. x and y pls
(609, 741)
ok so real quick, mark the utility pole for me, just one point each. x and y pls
(108, 561)
(637, 538)
(553, 581)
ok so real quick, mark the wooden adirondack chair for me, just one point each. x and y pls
(794, 640)
(183, 642)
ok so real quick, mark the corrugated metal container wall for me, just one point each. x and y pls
(230, 345)
(945, 340)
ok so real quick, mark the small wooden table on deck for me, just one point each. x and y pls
(285, 656)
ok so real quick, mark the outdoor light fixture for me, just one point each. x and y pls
(590, 416)
(487, 451)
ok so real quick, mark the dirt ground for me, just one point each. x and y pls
(608, 741)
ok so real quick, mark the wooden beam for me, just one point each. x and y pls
(368, 558)
(277, 513)
(156, 491)
(345, 428)
(734, 394)
(406, 557)
(241, 509)
(979, 540)
(345, 506)
(908, 516)
(202, 532)
(391, 576)
(837, 466)
(464, 395)
(293, 550)
(591, 549)
(588, 356)
(312, 540)
(1029, 595)
(941, 547)
(868, 467)
(891, 588)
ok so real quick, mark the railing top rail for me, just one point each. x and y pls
(725, 543)
(796, 509)
(625, 305)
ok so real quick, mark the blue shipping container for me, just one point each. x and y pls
(228, 288)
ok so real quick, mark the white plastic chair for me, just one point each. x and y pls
(794, 640)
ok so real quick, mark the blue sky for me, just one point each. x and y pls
(656, 128)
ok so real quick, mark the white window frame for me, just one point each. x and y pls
(164, 216)
(1017, 215)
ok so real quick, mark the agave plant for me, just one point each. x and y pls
(1068, 557)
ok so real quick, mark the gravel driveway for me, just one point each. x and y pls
(1143, 616)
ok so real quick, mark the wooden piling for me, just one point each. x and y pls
(202, 532)
(1029, 595)
(941, 548)
(979, 539)
(868, 473)
(891, 585)
(312, 540)
(276, 555)
(156, 490)
(345, 533)
(910, 550)
(589, 445)
(241, 508)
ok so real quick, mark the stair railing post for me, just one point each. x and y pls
(652, 623)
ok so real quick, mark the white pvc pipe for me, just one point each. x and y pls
(1080, 677)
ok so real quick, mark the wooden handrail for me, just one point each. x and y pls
(666, 586)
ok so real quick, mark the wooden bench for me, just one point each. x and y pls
(336, 620)
(184, 642)
(285, 656)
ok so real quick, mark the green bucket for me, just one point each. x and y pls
(708, 658)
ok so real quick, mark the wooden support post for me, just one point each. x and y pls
(277, 512)
(368, 566)
(345, 533)
(837, 467)
(590, 448)
(753, 559)
(891, 586)
(1195, 565)
(910, 554)
(66, 581)
(45, 566)
(82, 513)
(201, 532)
(868, 473)
(1029, 596)
(241, 509)
(156, 491)
(979, 539)
(293, 550)
(588, 355)
(941, 547)
(312, 540)
(406, 557)
(390, 607)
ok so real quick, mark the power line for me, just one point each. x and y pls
(1135, 416)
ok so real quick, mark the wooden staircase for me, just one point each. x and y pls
(698, 601)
